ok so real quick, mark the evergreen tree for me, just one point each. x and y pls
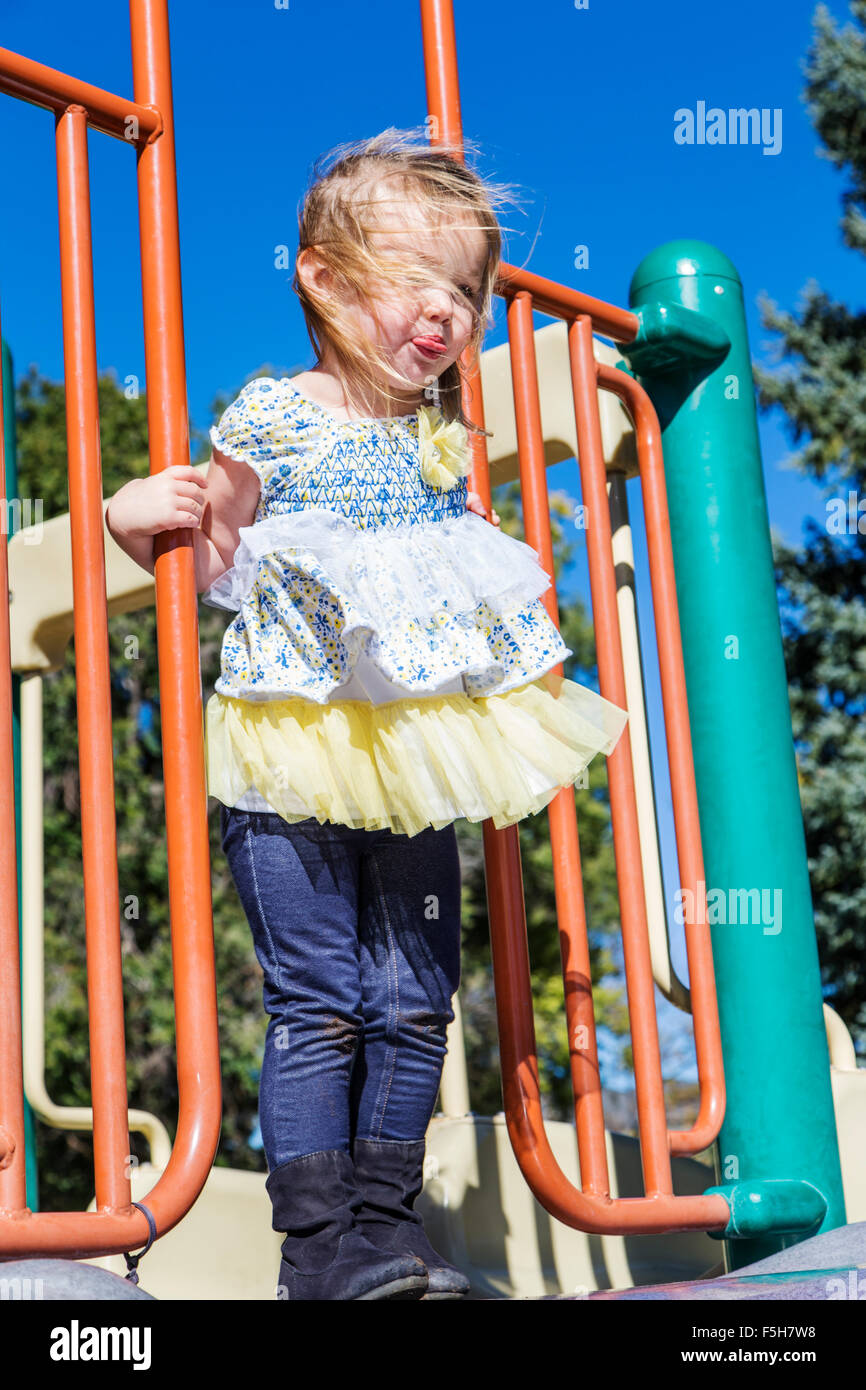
(821, 390)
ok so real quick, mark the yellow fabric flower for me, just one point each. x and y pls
(444, 449)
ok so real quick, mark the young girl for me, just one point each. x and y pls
(388, 672)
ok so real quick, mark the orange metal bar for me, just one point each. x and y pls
(445, 125)
(562, 302)
(42, 86)
(93, 678)
(180, 690)
(708, 1047)
(562, 813)
(116, 1225)
(591, 1209)
(13, 1174)
(600, 1215)
(635, 931)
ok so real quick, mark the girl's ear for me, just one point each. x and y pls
(313, 273)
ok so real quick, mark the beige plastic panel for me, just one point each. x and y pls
(40, 587)
(557, 407)
(849, 1103)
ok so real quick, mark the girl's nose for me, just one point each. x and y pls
(437, 302)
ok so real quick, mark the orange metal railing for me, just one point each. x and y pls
(117, 1225)
(591, 1208)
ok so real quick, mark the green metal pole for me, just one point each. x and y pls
(778, 1151)
(31, 1171)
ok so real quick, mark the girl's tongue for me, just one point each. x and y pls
(432, 345)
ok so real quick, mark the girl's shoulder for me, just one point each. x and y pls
(266, 422)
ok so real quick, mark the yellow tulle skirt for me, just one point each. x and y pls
(411, 763)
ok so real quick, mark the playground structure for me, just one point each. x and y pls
(670, 404)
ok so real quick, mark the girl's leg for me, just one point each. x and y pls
(409, 899)
(298, 884)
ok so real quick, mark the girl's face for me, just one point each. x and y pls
(424, 327)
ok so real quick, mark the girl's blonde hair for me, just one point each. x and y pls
(352, 187)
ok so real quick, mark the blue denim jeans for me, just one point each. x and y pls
(358, 934)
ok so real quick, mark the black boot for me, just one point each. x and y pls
(325, 1255)
(389, 1175)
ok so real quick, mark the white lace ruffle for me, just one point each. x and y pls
(420, 567)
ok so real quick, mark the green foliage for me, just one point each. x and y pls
(822, 583)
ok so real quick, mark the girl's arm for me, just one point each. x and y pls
(139, 548)
(209, 564)
(233, 490)
(215, 506)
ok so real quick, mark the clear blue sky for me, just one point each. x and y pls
(574, 106)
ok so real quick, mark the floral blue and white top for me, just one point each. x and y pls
(363, 575)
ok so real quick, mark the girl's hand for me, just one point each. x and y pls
(162, 502)
(474, 504)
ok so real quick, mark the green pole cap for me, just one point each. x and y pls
(677, 259)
